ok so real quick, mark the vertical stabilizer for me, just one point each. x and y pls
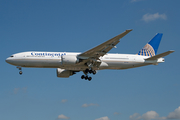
(150, 49)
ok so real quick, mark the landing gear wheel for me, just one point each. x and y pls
(90, 71)
(86, 77)
(94, 72)
(19, 67)
(20, 72)
(90, 78)
(82, 77)
(87, 70)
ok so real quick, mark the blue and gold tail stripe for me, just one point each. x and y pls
(147, 50)
(150, 49)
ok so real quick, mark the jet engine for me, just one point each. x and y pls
(69, 59)
(64, 73)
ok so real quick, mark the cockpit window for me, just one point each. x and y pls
(11, 56)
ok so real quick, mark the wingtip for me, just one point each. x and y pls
(129, 29)
(172, 51)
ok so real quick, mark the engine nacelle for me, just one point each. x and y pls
(69, 59)
(64, 73)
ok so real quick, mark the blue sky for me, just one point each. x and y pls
(145, 93)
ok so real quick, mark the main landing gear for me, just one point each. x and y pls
(90, 71)
(86, 76)
(20, 72)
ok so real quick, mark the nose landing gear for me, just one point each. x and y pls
(20, 72)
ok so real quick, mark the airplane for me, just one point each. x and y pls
(97, 58)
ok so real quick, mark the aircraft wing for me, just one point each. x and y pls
(103, 48)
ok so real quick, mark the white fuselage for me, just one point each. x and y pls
(54, 60)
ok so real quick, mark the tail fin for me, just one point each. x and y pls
(150, 49)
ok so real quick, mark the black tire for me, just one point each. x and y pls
(86, 77)
(20, 72)
(82, 77)
(94, 72)
(90, 78)
(87, 70)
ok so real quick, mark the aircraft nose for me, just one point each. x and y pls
(7, 60)
(11, 60)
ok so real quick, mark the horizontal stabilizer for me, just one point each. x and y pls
(160, 55)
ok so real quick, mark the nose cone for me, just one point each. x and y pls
(10, 61)
(7, 60)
